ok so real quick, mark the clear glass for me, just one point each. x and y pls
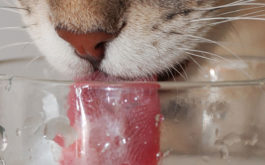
(45, 119)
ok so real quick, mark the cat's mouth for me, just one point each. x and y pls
(94, 52)
(166, 75)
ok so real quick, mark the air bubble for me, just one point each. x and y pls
(166, 154)
(18, 132)
(124, 141)
(105, 148)
(159, 118)
(158, 155)
(3, 139)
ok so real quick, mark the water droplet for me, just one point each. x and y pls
(3, 139)
(113, 104)
(224, 152)
(252, 141)
(106, 146)
(18, 132)
(166, 154)
(9, 85)
(126, 101)
(159, 118)
(124, 141)
(158, 155)
(2, 161)
(59, 126)
(136, 99)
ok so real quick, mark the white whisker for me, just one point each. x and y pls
(181, 75)
(10, 10)
(239, 10)
(249, 14)
(197, 63)
(22, 28)
(200, 56)
(229, 5)
(33, 60)
(16, 44)
(183, 70)
(218, 44)
(171, 73)
(8, 3)
(228, 18)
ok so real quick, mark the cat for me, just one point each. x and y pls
(127, 38)
(167, 39)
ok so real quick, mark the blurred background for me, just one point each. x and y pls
(13, 37)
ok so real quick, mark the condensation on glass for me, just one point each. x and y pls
(219, 121)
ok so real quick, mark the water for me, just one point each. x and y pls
(3, 139)
(59, 126)
(18, 132)
(2, 161)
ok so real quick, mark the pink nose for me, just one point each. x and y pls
(89, 45)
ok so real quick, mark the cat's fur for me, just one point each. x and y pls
(153, 35)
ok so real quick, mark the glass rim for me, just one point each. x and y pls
(164, 85)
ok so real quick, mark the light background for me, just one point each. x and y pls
(11, 19)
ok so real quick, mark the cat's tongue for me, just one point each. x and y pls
(116, 124)
(102, 77)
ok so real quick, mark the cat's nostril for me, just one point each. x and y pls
(89, 45)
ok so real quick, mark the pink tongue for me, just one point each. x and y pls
(115, 124)
(99, 76)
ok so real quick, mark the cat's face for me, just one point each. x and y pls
(128, 38)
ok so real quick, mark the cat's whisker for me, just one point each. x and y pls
(33, 60)
(218, 44)
(221, 57)
(13, 9)
(16, 45)
(201, 56)
(229, 5)
(202, 70)
(184, 71)
(176, 70)
(239, 10)
(229, 19)
(8, 3)
(207, 53)
(20, 28)
(169, 69)
(248, 14)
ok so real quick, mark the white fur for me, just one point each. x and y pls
(132, 54)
